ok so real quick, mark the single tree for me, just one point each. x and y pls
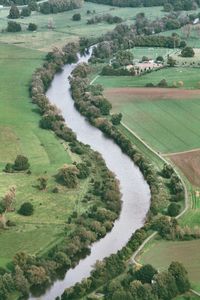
(14, 12)
(21, 163)
(32, 27)
(26, 209)
(76, 17)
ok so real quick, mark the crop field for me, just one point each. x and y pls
(161, 253)
(64, 28)
(20, 134)
(189, 76)
(167, 122)
(189, 164)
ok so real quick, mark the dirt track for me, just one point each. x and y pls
(189, 163)
(126, 94)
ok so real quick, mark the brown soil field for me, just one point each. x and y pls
(127, 94)
(189, 164)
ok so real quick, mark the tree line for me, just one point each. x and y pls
(102, 201)
(168, 4)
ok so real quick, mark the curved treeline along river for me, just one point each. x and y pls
(134, 189)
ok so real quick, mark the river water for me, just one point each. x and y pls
(134, 189)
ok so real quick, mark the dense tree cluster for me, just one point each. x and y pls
(13, 26)
(17, 2)
(125, 40)
(56, 6)
(145, 283)
(105, 18)
(103, 196)
(168, 4)
(21, 163)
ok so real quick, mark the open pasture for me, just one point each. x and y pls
(167, 121)
(189, 76)
(151, 52)
(20, 134)
(65, 29)
(161, 253)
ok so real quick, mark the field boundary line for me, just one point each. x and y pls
(135, 254)
(181, 152)
(194, 292)
(93, 80)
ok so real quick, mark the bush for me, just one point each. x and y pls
(26, 209)
(160, 58)
(8, 168)
(150, 84)
(21, 163)
(173, 209)
(32, 27)
(187, 52)
(163, 83)
(146, 274)
(14, 12)
(26, 12)
(76, 17)
(13, 27)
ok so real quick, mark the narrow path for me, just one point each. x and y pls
(181, 152)
(185, 191)
(94, 79)
(194, 292)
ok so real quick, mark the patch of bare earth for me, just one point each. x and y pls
(189, 164)
(122, 95)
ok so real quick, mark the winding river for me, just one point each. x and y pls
(134, 189)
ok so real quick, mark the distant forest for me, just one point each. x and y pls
(175, 4)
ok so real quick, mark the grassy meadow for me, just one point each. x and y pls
(151, 52)
(65, 29)
(189, 76)
(20, 134)
(161, 253)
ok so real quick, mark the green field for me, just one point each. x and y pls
(189, 76)
(161, 253)
(150, 52)
(166, 125)
(192, 41)
(20, 134)
(66, 29)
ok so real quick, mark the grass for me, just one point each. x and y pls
(161, 253)
(150, 52)
(192, 41)
(66, 29)
(166, 125)
(189, 76)
(20, 134)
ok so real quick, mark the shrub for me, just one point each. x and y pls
(76, 17)
(116, 119)
(26, 12)
(32, 27)
(13, 27)
(8, 168)
(160, 58)
(163, 83)
(26, 209)
(14, 12)
(21, 163)
(146, 274)
(150, 84)
(173, 209)
(187, 52)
